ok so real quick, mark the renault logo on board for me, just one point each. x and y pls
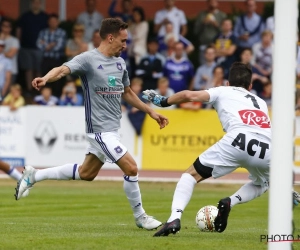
(45, 136)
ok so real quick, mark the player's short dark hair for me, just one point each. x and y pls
(111, 26)
(240, 75)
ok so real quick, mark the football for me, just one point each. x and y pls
(205, 218)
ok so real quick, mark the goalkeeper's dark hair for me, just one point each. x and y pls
(240, 75)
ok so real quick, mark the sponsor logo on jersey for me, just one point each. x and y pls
(100, 67)
(119, 66)
(110, 92)
(255, 118)
(111, 81)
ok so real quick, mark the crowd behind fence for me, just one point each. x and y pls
(157, 56)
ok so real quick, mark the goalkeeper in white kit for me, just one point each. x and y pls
(247, 142)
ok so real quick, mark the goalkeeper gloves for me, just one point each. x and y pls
(155, 98)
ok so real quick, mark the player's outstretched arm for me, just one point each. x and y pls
(180, 97)
(52, 76)
(130, 97)
(188, 96)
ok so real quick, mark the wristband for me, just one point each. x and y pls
(164, 103)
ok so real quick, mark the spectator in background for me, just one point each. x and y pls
(29, 26)
(5, 70)
(12, 46)
(1, 15)
(297, 102)
(270, 24)
(248, 27)
(77, 44)
(69, 96)
(189, 47)
(136, 117)
(225, 46)
(216, 81)
(207, 26)
(46, 98)
(51, 42)
(204, 73)
(126, 10)
(170, 14)
(179, 70)
(266, 94)
(263, 54)
(298, 63)
(258, 80)
(217, 78)
(91, 19)
(130, 61)
(139, 32)
(14, 99)
(151, 66)
(96, 39)
(170, 40)
(164, 90)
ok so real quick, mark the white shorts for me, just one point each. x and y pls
(240, 149)
(106, 146)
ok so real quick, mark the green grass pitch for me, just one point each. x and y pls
(96, 215)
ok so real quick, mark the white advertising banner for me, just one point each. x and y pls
(56, 136)
(12, 139)
(51, 136)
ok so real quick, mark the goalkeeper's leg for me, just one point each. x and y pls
(182, 195)
(247, 192)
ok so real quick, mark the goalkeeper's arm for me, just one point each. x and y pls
(188, 96)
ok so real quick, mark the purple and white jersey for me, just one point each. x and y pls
(103, 80)
(179, 73)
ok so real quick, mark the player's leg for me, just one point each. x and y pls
(131, 187)
(250, 191)
(11, 171)
(93, 162)
(259, 174)
(87, 171)
(182, 195)
(247, 192)
(210, 163)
